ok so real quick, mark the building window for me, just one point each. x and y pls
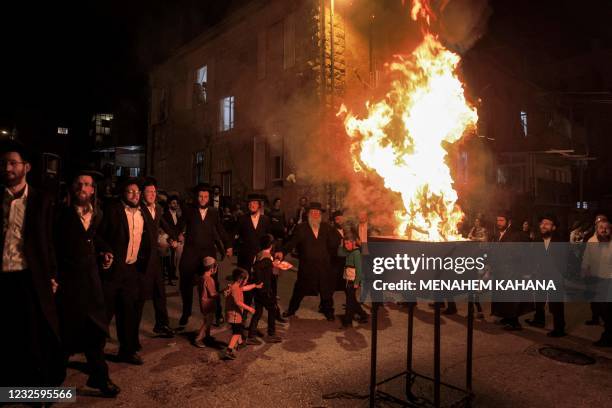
(101, 125)
(289, 41)
(226, 184)
(226, 114)
(277, 169)
(261, 55)
(201, 84)
(62, 131)
(201, 167)
(524, 122)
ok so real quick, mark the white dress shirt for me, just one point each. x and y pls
(174, 216)
(136, 228)
(85, 214)
(203, 212)
(151, 209)
(255, 219)
(13, 258)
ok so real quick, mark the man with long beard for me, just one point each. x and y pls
(549, 264)
(80, 299)
(316, 242)
(597, 265)
(202, 228)
(30, 353)
(124, 229)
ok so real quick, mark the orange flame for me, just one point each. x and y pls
(402, 137)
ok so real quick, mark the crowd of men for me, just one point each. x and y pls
(68, 270)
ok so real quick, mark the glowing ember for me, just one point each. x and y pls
(401, 139)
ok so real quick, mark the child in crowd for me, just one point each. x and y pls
(234, 306)
(208, 295)
(265, 297)
(352, 277)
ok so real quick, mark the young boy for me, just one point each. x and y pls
(208, 295)
(352, 277)
(234, 306)
(265, 297)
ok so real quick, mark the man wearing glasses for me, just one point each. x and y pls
(30, 354)
(124, 229)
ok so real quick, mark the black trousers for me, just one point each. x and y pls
(326, 304)
(92, 340)
(353, 307)
(556, 308)
(186, 286)
(159, 302)
(121, 299)
(260, 305)
(30, 354)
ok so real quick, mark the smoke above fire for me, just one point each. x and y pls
(403, 138)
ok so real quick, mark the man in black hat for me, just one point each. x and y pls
(251, 227)
(30, 354)
(549, 263)
(338, 261)
(508, 312)
(203, 228)
(152, 282)
(124, 229)
(316, 243)
(80, 299)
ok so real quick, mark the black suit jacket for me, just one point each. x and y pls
(248, 238)
(79, 296)
(39, 251)
(114, 230)
(177, 227)
(200, 237)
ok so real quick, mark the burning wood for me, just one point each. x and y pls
(403, 137)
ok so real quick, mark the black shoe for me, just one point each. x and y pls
(363, 320)
(513, 327)
(164, 330)
(330, 317)
(210, 341)
(603, 342)
(253, 341)
(229, 354)
(450, 311)
(288, 314)
(133, 359)
(106, 387)
(273, 338)
(503, 321)
(592, 322)
(556, 333)
(184, 320)
(535, 323)
(280, 319)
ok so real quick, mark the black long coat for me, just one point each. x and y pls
(248, 238)
(153, 272)
(510, 309)
(38, 250)
(315, 273)
(79, 297)
(201, 237)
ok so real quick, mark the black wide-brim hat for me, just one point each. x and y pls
(549, 216)
(254, 197)
(315, 206)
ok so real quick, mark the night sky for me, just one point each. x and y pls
(63, 61)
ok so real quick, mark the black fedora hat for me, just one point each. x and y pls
(253, 197)
(549, 216)
(314, 205)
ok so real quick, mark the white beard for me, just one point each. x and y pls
(314, 224)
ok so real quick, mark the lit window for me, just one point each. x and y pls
(524, 122)
(226, 113)
(62, 131)
(202, 83)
